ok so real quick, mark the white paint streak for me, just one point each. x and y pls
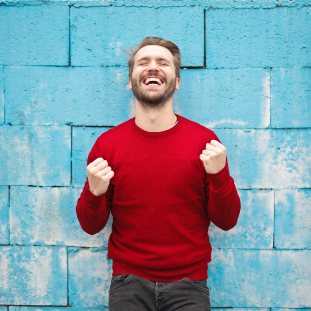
(214, 124)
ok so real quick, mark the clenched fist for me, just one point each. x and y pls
(99, 175)
(214, 157)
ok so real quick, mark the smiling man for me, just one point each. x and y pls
(164, 179)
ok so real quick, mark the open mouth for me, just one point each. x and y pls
(153, 81)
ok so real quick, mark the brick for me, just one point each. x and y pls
(89, 277)
(260, 278)
(83, 140)
(255, 225)
(258, 38)
(293, 218)
(33, 275)
(34, 35)
(268, 158)
(67, 95)
(221, 98)
(37, 155)
(4, 216)
(291, 97)
(99, 34)
(46, 216)
(1, 94)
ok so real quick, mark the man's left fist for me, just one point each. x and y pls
(214, 157)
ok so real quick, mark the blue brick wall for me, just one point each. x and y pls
(63, 81)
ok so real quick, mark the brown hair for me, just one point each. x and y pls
(172, 47)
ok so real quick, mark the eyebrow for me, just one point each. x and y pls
(148, 58)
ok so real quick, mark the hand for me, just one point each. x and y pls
(99, 175)
(214, 157)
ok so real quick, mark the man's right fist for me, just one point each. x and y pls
(99, 175)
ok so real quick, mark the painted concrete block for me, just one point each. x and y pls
(291, 98)
(268, 158)
(47, 216)
(255, 225)
(89, 277)
(67, 95)
(258, 38)
(58, 309)
(37, 155)
(33, 275)
(260, 278)
(4, 216)
(99, 34)
(1, 94)
(34, 35)
(293, 218)
(83, 139)
(3, 308)
(241, 309)
(225, 98)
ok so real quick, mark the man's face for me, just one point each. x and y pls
(153, 79)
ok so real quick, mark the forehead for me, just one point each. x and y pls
(154, 51)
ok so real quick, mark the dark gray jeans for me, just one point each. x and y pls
(129, 292)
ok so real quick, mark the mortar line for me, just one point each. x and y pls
(69, 39)
(9, 220)
(204, 39)
(67, 278)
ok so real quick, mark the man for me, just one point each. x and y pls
(163, 178)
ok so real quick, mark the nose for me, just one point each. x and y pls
(153, 66)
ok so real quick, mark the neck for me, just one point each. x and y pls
(155, 119)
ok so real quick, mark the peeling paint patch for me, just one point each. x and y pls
(293, 218)
(33, 275)
(255, 225)
(4, 215)
(89, 278)
(46, 216)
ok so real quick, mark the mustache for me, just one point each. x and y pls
(154, 74)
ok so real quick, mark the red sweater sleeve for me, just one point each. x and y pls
(93, 211)
(223, 201)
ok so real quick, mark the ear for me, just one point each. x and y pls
(177, 83)
(130, 84)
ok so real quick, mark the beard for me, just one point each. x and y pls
(154, 98)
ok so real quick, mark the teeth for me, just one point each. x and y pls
(148, 80)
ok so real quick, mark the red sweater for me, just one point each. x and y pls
(161, 199)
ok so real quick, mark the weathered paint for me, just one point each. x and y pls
(33, 275)
(267, 42)
(268, 158)
(260, 278)
(37, 155)
(255, 225)
(258, 38)
(67, 95)
(34, 35)
(293, 218)
(46, 216)
(291, 98)
(89, 277)
(221, 98)
(99, 34)
(83, 140)
(4, 216)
